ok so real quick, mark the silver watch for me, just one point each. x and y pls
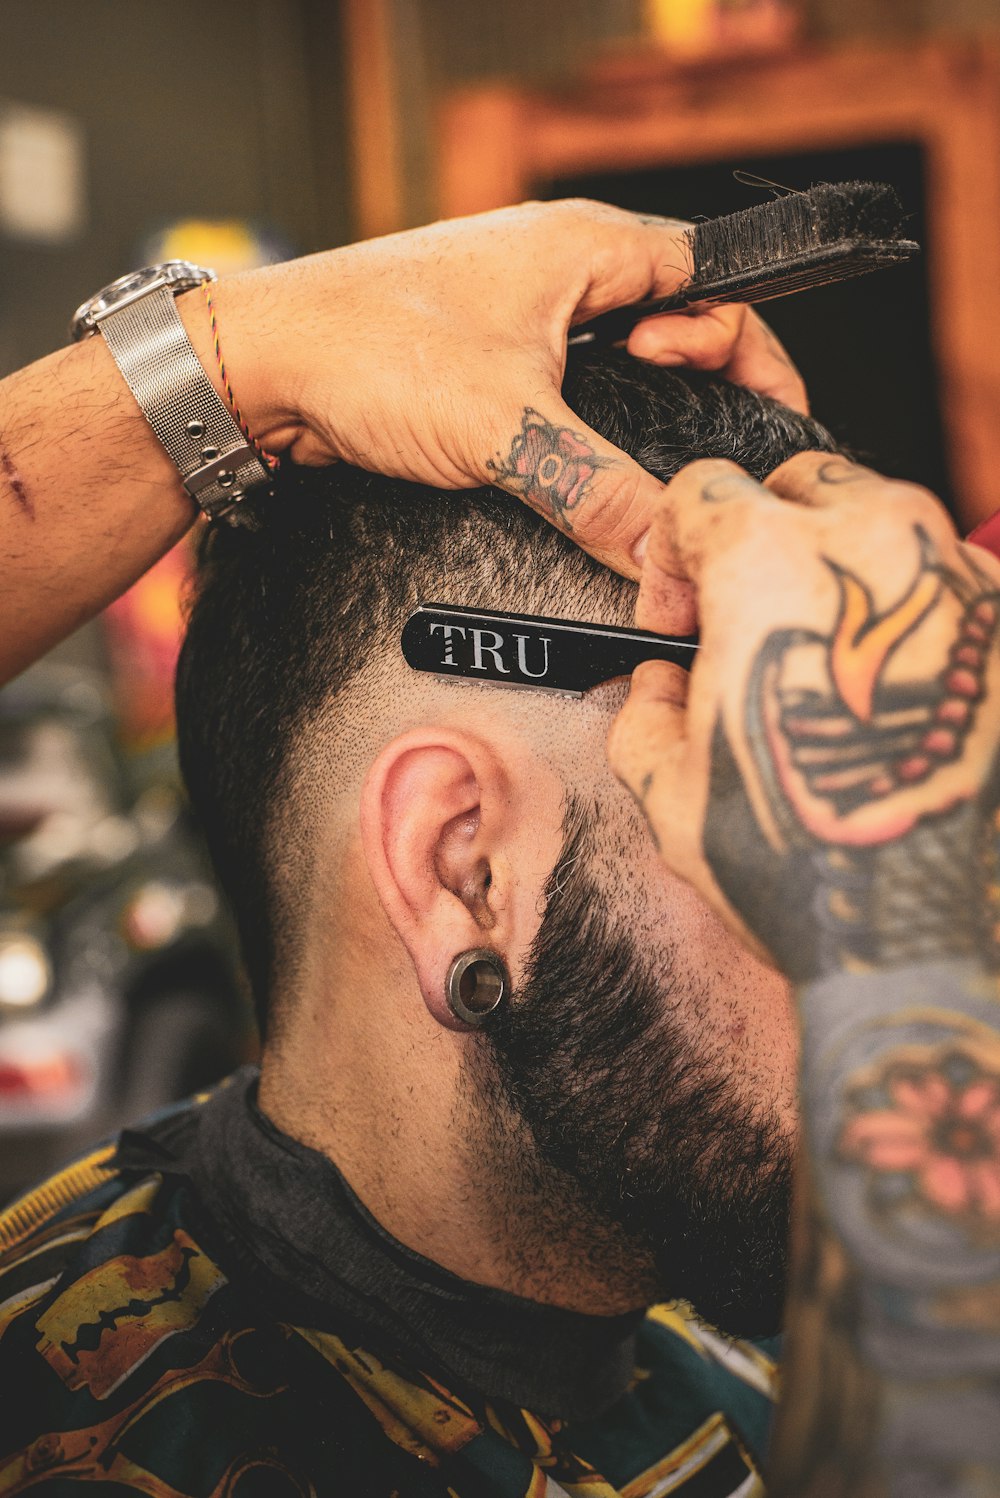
(139, 322)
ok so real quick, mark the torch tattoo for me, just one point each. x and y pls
(877, 796)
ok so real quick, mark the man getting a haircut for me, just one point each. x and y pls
(415, 1255)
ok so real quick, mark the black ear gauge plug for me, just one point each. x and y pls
(477, 984)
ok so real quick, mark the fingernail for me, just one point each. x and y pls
(640, 548)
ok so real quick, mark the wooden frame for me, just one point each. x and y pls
(373, 117)
(497, 145)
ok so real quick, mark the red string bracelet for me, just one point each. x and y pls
(269, 459)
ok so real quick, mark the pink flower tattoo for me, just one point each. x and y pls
(549, 466)
(939, 1126)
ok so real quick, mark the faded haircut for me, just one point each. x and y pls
(284, 618)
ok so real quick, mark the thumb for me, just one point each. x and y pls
(648, 752)
(584, 485)
(667, 602)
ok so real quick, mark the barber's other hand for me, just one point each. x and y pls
(837, 739)
(437, 355)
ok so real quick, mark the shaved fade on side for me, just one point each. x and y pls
(284, 620)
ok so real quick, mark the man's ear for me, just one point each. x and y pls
(437, 824)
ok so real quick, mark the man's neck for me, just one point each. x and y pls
(290, 1230)
(470, 1195)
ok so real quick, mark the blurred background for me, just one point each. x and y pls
(238, 132)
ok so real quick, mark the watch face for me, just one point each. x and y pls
(179, 275)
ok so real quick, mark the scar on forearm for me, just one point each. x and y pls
(16, 485)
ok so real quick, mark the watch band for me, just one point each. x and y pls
(149, 344)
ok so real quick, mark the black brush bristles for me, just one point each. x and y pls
(757, 238)
(829, 233)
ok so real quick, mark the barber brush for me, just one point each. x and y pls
(830, 232)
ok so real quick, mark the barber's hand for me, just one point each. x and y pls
(835, 749)
(437, 356)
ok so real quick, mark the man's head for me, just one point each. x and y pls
(621, 1128)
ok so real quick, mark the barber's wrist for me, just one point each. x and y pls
(258, 340)
(120, 432)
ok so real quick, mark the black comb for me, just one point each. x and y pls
(529, 650)
(828, 233)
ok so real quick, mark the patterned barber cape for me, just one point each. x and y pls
(155, 1340)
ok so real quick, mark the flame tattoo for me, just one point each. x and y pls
(825, 753)
(864, 641)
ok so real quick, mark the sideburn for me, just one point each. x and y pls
(597, 1055)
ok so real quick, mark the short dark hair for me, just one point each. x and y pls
(284, 617)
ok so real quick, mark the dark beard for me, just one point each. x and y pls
(591, 1059)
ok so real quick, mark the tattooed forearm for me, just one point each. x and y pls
(901, 1087)
(15, 485)
(922, 1123)
(876, 789)
(549, 466)
(878, 825)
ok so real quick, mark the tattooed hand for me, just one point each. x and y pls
(437, 355)
(846, 697)
(829, 778)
